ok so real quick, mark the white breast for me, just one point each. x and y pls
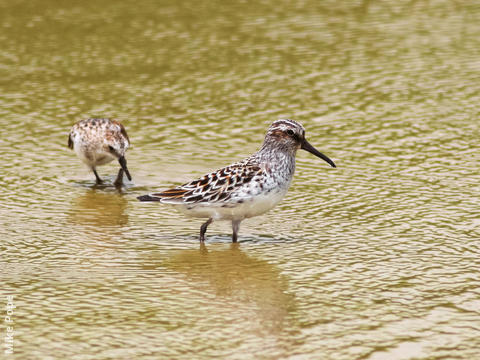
(253, 206)
(92, 154)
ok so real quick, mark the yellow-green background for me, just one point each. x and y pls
(377, 259)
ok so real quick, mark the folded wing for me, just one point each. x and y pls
(216, 187)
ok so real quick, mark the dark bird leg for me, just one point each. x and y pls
(235, 227)
(99, 180)
(119, 180)
(203, 229)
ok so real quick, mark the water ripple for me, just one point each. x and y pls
(376, 259)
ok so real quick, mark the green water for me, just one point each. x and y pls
(377, 259)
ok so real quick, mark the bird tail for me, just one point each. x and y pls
(148, 198)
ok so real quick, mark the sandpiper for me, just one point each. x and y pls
(99, 141)
(245, 189)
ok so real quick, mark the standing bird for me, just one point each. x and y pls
(245, 189)
(98, 142)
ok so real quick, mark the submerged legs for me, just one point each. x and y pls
(99, 180)
(235, 227)
(119, 180)
(203, 229)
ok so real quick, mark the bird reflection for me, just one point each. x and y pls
(99, 211)
(241, 279)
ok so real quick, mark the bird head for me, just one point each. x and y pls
(289, 136)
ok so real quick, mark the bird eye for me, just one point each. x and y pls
(110, 147)
(290, 132)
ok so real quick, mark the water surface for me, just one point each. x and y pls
(377, 259)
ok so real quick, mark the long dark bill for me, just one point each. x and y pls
(123, 164)
(308, 147)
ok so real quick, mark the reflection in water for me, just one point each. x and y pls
(381, 255)
(98, 211)
(240, 279)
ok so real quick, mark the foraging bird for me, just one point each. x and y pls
(98, 142)
(247, 188)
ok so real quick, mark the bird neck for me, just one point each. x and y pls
(282, 159)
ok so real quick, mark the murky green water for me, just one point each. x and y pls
(377, 259)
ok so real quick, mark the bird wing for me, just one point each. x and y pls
(218, 186)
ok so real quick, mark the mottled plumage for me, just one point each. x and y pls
(247, 188)
(99, 141)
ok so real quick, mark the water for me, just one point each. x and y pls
(377, 259)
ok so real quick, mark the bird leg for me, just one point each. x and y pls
(99, 180)
(203, 229)
(235, 227)
(119, 180)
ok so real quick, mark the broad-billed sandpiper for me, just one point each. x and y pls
(247, 188)
(99, 141)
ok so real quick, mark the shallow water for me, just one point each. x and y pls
(377, 259)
